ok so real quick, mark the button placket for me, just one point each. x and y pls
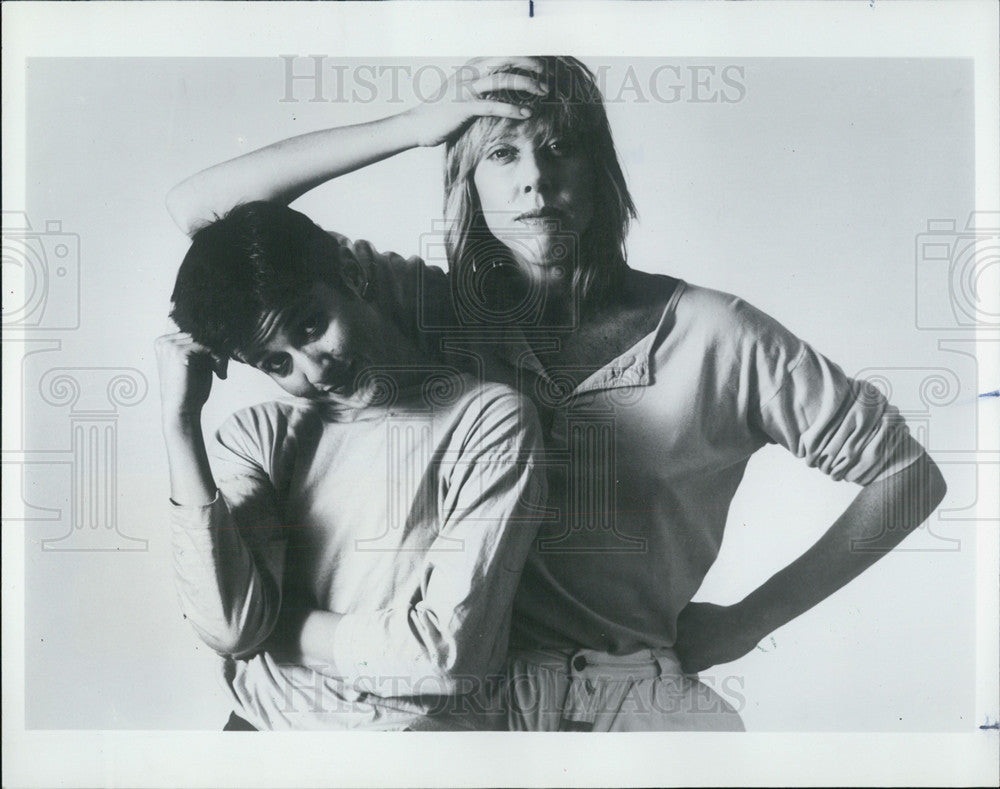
(582, 689)
(579, 664)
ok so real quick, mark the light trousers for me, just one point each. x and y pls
(584, 690)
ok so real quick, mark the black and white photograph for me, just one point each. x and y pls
(380, 384)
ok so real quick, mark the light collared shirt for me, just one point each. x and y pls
(412, 518)
(645, 455)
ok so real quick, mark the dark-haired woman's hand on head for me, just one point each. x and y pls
(470, 93)
(709, 634)
(186, 369)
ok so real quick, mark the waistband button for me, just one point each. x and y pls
(579, 663)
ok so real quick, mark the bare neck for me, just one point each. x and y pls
(628, 314)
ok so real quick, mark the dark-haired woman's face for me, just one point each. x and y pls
(537, 198)
(321, 346)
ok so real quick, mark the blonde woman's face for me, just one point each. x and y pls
(537, 197)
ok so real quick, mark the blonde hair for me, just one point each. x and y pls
(573, 108)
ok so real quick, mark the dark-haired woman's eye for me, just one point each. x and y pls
(277, 364)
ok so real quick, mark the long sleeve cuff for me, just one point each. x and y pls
(229, 602)
(375, 660)
(195, 516)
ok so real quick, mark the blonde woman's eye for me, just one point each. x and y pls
(503, 154)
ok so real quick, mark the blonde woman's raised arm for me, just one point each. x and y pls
(288, 169)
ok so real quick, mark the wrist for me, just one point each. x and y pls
(752, 618)
(317, 635)
(407, 129)
(181, 420)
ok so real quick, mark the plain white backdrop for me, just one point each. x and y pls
(807, 197)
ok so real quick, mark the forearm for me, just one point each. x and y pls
(428, 646)
(191, 481)
(229, 593)
(883, 513)
(316, 631)
(226, 597)
(450, 626)
(223, 593)
(286, 170)
(383, 657)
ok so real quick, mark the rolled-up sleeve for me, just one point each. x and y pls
(843, 427)
(454, 629)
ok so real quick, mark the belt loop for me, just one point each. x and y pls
(667, 661)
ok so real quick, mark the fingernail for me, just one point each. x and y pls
(525, 112)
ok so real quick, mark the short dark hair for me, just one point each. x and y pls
(257, 258)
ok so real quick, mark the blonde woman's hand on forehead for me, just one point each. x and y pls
(479, 67)
(467, 95)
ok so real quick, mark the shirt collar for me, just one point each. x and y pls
(631, 368)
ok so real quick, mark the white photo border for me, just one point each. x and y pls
(705, 29)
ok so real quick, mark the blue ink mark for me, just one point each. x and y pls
(988, 725)
(994, 393)
(531, 8)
